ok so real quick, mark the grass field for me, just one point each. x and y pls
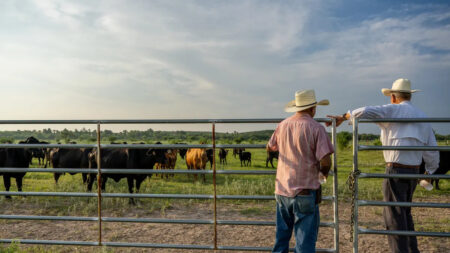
(369, 161)
(370, 189)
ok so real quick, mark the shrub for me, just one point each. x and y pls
(343, 139)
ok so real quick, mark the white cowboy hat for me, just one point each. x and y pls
(400, 85)
(304, 99)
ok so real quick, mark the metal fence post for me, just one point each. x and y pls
(335, 189)
(214, 183)
(99, 187)
(355, 196)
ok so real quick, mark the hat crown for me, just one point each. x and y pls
(305, 97)
(401, 84)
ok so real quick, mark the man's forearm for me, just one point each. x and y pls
(325, 165)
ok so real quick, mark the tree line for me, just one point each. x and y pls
(151, 136)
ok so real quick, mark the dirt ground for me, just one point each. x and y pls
(258, 236)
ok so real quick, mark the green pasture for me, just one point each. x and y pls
(370, 189)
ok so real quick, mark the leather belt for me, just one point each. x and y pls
(304, 192)
(399, 165)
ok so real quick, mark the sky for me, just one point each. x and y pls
(217, 59)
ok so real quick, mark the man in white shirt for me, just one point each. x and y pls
(400, 161)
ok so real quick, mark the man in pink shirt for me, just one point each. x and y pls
(304, 150)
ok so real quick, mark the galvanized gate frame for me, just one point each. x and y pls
(100, 219)
(358, 174)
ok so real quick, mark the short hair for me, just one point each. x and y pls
(402, 95)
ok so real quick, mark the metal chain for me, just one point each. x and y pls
(351, 185)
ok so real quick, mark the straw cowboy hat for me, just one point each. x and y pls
(400, 85)
(304, 99)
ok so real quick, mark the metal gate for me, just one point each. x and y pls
(99, 195)
(357, 174)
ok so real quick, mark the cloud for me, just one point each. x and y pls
(218, 59)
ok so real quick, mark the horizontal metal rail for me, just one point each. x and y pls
(404, 176)
(406, 120)
(143, 195)
(403, 204)
(416, 148)
(54, 218)
(49, 194)
(148, 220)
(402, 232)
(139, 171)
(49, 242)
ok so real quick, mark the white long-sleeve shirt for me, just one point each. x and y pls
(403, 134)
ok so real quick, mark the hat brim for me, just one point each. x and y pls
(291, 107)
(387, 92)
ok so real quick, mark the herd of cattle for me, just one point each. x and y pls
(120, 158)
(129, 158)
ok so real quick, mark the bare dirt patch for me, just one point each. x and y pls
(258, 236)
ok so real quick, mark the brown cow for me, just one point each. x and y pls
(171, 160)
(196, 159)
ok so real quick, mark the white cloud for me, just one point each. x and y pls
(219, 59)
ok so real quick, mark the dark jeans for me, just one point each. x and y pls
(399, 218)
(301, 215)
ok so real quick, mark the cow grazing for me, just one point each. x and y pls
(16, 158)
(270, 156)
(444, 166)
(223, 156)
(70, 158)
(196, 159)
(246, 158)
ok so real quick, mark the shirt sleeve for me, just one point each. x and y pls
(431, 158)
(323, 145)
(273, 144)
(371, 112)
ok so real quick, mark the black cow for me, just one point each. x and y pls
(444, 166)
(125, 159)
(70, 158)
(246, 158)
(16, 158)
(223, 156)
(39, 153)
(236, 151)
(270, 156)
(210, 156)
(182, 151)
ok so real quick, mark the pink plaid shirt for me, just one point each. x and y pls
(302, 142)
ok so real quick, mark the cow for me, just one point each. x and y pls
(16, 158)
(182, 151)
(270, 156)
(125, 159)
(170, 161)
(236, 151)
(210, 156)
(223, 156)
(38, 153)
(196, 159)
(70, 158)
(246, 158)
(142, 159)
(444, 166)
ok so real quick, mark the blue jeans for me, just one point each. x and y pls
(300, 214)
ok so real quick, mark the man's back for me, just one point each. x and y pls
(302, 143)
